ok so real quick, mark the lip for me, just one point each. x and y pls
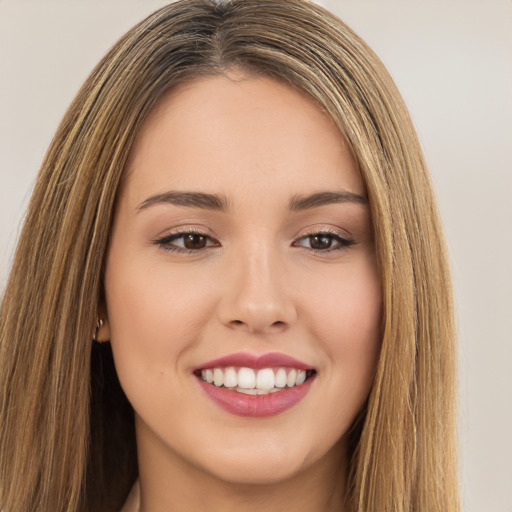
(256, 361)
(256, 406)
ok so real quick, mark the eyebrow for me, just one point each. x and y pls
(220, 203)
(299, 203)
(191, 199)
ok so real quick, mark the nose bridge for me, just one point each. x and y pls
(257, 298)
(258, 276)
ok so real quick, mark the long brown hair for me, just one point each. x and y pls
(66, 429)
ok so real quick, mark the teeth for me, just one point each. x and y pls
(301, 377)
(218, 377)
(254, 382)
(230, 378)
(247, 391)
(280, 381)
(256, 391)
(292, 377)
(246, 378)
(265, 379)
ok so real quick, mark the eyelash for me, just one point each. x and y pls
(343, 243)
(165, 241)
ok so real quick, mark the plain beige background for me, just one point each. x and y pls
(452, 60)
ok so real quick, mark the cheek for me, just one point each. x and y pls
(347, 323)
(348, 307)
(154, 315)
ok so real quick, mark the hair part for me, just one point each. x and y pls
(66, 429)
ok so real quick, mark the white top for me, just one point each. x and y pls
(132, 503)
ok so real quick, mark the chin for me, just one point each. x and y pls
(261, 473)
(267, 462)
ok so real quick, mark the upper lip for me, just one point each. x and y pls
(256, 361)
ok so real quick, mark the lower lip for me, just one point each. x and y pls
(257, 406)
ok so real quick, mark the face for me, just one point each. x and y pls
(242, 252)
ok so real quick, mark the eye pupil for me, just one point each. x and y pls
(194, 241)
(320, 241)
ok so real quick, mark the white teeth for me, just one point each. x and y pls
(246, 378)
(280, 380)
(230, 378)
(301, 377)
(247, 391)
(257, 391)
(218, 377)
(292, 376)
(265, 379)
(254, 382)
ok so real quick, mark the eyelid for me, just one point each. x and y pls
(185, 229)
(316, 229)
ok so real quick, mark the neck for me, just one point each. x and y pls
(170, 483)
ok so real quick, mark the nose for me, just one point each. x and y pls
(256, 295)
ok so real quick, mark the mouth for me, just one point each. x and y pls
(255, 386)
(252, 381)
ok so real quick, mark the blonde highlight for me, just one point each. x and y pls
(55, 449)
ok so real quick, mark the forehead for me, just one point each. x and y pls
(239, 132)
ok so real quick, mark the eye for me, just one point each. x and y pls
(324, 241)
(186, 241)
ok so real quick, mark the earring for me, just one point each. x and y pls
(99, 325)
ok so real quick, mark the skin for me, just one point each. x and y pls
(257, 286)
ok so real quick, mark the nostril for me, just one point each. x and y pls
(238, 324)
(258, 325)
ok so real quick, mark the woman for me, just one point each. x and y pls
(236, 209)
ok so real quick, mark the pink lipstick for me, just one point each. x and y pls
(255, 385)
(268, 360)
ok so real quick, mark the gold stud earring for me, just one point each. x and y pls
(99, 325)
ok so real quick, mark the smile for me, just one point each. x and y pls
(255, 386)
(255, 382)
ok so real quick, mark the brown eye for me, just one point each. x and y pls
(194, 241)
(325, 242)
(188, 242)
(320, 242)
